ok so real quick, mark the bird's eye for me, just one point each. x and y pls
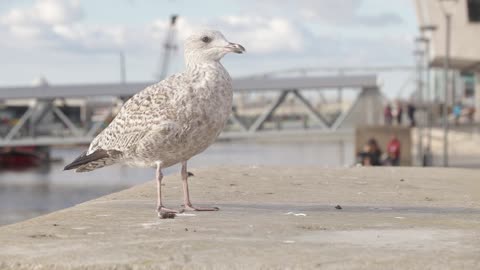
(206, 39)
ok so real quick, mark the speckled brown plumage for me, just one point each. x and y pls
(173, 120)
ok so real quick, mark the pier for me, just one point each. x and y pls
(270, 218)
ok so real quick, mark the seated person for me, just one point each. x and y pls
(371, 155)
(393, 151)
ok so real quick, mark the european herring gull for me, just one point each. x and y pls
(170, 121)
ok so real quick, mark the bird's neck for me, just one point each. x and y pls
(209, 75)
(203, 67)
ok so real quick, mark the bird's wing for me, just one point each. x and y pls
(162, 139)
(148, 110)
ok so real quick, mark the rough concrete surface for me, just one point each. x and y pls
(270, 218)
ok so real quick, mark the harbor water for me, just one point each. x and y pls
(33, 192)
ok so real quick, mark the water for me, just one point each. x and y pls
(30, 193)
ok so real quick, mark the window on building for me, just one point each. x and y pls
(473, 10)
(468, 81)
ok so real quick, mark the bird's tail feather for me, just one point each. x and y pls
(98, 159)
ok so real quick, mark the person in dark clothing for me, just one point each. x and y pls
(399, 113)
(388, 115)
(371, 154)
(411, 114)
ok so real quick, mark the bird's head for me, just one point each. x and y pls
(209, 45)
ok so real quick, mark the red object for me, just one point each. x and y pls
(393, 148)
(19, 157)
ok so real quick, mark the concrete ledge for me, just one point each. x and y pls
(270, 218)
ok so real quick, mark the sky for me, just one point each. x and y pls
(78, 41)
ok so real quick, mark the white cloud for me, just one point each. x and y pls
(45, 12)
(284, 40)
(85, 37)
(59, 24)
(260, 35)
(38, 21)
(265, 35)
(57, 11)
(344, 13)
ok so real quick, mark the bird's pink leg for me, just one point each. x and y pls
(186, 196)
(161, 210)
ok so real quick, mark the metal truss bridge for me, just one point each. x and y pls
(74, 114)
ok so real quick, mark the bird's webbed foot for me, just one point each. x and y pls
(164, 212)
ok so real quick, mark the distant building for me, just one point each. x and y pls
(465, 40)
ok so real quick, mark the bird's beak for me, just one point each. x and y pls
(236, 48)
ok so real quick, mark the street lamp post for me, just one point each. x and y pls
(419, 66)
(446, 66)
(428, 91)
